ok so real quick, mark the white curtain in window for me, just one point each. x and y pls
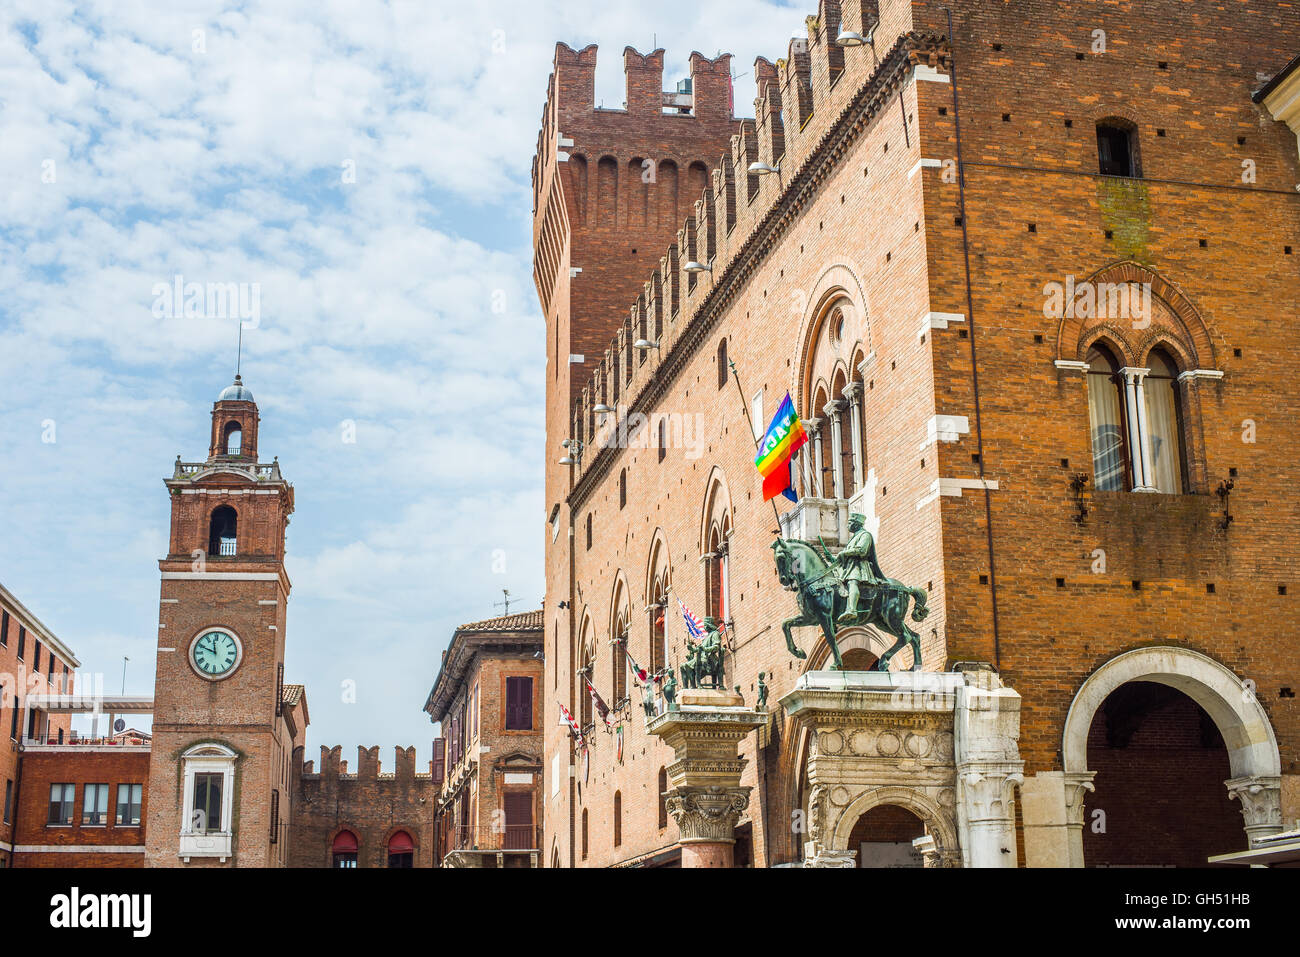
(1163, 438)
(1107, 432)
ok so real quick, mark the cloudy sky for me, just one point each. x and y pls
(365, 167)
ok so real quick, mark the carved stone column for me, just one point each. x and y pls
(809, 488)
(1135, 402)
(818, 473)
(705, 796)
(1077, 786)
(986, 729)
(853, 394)
(835, 410)
(1261, 804)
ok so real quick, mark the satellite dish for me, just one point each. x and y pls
(119, 725)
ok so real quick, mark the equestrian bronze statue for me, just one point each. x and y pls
(842, 591)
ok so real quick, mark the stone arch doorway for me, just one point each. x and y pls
(1159, 763)
(1177, 704)
(883, 836)
(896, 816)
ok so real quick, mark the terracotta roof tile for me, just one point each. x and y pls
(522, 622)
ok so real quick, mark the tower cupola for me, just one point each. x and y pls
(234, 424)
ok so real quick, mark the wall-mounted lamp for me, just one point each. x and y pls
(848, 38)
(600, 408)
(645, 344)
(694, 266)
(763, 168)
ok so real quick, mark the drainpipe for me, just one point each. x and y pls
(974, 365)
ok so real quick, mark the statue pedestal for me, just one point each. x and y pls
(705, 796)
(941, 745)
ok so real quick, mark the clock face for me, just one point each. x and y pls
(215, 653)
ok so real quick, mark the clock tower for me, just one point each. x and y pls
(223, 734)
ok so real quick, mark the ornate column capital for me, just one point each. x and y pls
(707, 814)
(835, 408)
(1261, 803)
(853, 391)
(1134, 374)
(989, 790)
(1077, 786)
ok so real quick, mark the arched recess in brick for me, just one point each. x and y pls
(607, 191)
(715, 535)
(658, 581)
(575, 180)
(587, 666)
(1253, 758)
(1174, 319)
(620, 619)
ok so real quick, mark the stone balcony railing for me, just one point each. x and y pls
(255, 471)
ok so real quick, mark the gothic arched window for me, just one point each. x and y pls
(1106, 416)
(1164, 425)
(618, 818)
(618, 660)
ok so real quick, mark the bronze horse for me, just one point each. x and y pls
(822, 600)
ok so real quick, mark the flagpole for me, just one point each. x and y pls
(744, 407)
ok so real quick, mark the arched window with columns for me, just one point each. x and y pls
(619, 636)
(1146, 354)
(832, 465)
(657, 581)
(715, 541)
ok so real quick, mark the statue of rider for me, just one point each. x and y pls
(857, 566)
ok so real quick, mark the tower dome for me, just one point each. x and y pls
(236, 393)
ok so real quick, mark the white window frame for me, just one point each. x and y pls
(207, 759)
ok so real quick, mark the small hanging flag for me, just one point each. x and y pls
(573, 725)
(694, 627)
(784, 437)
(599, 703)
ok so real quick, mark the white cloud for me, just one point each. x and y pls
(225, 164)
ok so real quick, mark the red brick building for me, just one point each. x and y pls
(487, 761)
(33, 661)
(1022, 280)
(83, 798)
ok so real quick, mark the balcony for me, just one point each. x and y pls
(215, 844)
(511, 837)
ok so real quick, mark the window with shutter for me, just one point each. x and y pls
(519, 704)
(519, 820)
(439, 760)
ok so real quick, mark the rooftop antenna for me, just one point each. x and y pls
(506, 603)
(239, 349)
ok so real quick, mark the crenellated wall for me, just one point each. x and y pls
(370, 803)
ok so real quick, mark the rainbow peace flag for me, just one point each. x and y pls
(784, 437)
